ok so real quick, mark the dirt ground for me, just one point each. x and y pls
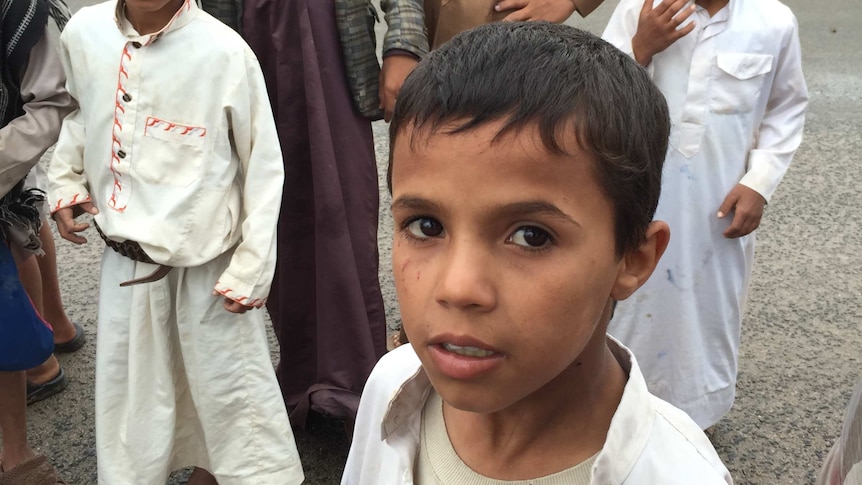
(801, 339)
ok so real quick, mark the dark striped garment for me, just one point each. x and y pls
(228, 11)
(355, 20)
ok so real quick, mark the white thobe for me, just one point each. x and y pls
(176, 145)
(648, 442)
(737, 103)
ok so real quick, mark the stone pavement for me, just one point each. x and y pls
(801, 339)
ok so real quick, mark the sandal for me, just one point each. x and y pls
(38, 392)
(76, 343)
(35, 471)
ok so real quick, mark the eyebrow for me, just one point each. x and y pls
(516, 209)
(532, 208)
(409, 202)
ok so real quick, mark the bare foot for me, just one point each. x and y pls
(397, 340)
(63, 331)
(13, 456)
(393, 342)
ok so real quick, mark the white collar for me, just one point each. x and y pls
(627, 436)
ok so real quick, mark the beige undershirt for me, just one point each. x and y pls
(439, 464)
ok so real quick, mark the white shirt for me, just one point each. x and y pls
(737, 76)
(737, 102)
(649, 441)
(174, 142)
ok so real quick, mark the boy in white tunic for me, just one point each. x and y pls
(525, 168)
(174, 152)
(732, 76)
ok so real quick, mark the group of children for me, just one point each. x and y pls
(526, 166)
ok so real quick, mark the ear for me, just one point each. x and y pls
(637, 266)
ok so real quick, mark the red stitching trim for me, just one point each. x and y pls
(74, 201)
(225, 292)
(187, 130)
(116, 144)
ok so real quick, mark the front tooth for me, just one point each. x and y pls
(467, 351)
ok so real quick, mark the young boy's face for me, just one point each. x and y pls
(504, 262)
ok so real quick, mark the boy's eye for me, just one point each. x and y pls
(530, 237)
(425, 227)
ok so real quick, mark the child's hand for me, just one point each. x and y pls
(747, 205)
(392, 75)
(237, 307)
(658, 28)
(66, 224)
(551, 10)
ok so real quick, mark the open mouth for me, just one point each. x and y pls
(469, 360)
(467, 350)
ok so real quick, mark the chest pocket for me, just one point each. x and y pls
(737, 80)
(170, 153)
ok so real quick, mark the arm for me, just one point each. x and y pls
(551, 10)
(246, 281)
(780, 131)
(404, 44)
(406, 26)
(586, 7)
(68, 193)
(778, 137)
(46, 103)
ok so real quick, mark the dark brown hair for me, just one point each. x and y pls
(557, 77)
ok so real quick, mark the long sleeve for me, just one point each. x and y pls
(248, 277)
(780, 131)
(586, 7)
(46, 103)
(406, 26)
(67, 181)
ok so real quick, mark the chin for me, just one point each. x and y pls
(483, 402)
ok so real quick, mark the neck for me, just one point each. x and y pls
(712, 6)
(151, 21)
(558, 426)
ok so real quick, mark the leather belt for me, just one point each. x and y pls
(135, 252)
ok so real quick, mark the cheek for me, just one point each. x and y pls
(406, 269)
(400, 268)
(570, 302)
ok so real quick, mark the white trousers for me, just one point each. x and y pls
(182, 382)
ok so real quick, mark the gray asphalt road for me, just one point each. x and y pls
(801, 340)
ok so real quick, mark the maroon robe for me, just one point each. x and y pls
(325, 303)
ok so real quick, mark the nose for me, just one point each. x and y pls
(466, 279)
